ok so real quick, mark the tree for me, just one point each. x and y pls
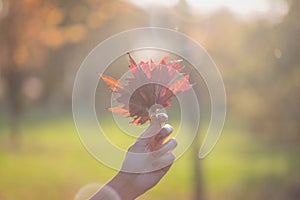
(280, 86)
(32, 31)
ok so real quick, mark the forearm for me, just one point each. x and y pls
(118, 188)
(105, 193)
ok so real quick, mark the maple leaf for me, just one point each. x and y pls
(149, 84)
(113, 83)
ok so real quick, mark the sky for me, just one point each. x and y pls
(241, 8)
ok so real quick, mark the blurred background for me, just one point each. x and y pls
(255, 45)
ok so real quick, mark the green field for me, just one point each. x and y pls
(51, 163)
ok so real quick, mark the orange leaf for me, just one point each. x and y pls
(181, 85)
(119, 110)
(132, 65)
(164, 60)
(111, 82)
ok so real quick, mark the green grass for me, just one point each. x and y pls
(51, 163)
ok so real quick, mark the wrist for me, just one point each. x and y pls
(122, 184)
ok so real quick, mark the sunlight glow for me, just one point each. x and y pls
(237, 6)
(1, 5)
(272, 10)
(147, 3)
(243, 9)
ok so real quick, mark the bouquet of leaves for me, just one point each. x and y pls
(149, 88)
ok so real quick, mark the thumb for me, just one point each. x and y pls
(156, 123)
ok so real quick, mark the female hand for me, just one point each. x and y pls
(146, 162)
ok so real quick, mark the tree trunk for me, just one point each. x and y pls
(198, 179)
(13, 80)
(12, 75)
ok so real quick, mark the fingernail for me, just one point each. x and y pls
(174, 143)
(162, 117)
(168, 128)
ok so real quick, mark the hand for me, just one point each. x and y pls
(146, 162)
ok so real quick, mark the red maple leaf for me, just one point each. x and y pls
(149, 84)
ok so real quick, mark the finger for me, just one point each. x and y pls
(158, 119)
(158, 139)
(162, 118)
(161, 172)
(167, 147)
(164, 161)
(163, 133)
(166, 169)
